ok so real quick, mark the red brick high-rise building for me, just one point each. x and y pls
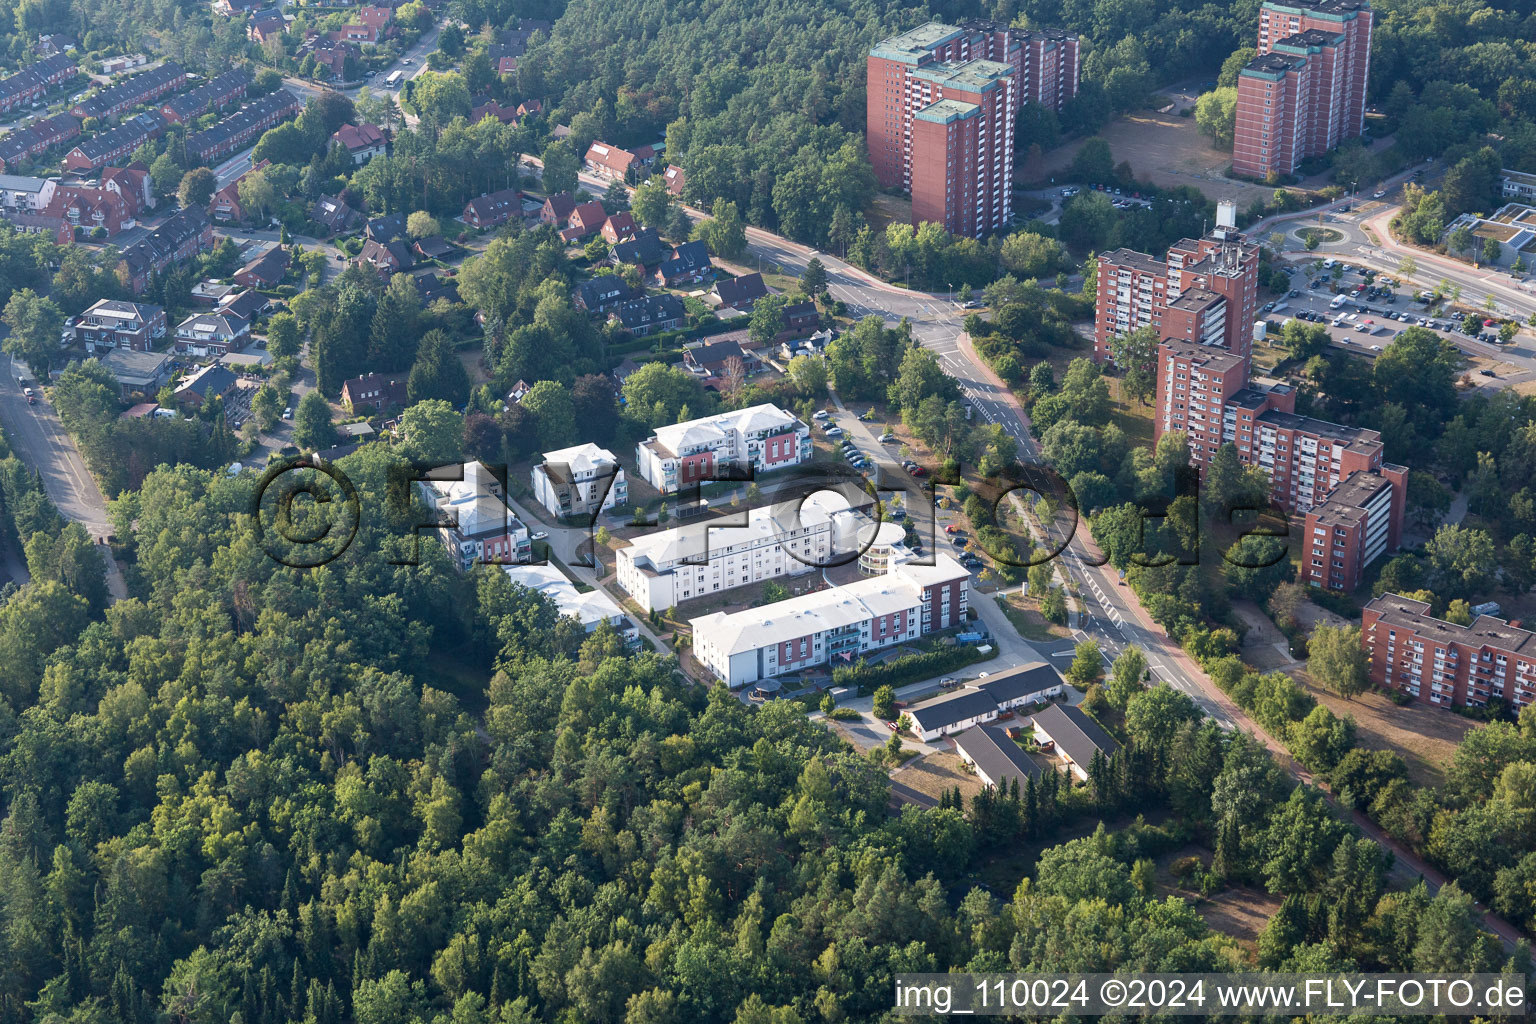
(1137, 290)
(942, 105)
(1442, 663)
(1333, 474)
(1304, 93)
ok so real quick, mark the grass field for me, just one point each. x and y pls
(1424, 736)
(1025, 615)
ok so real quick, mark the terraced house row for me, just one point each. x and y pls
(116, 100)
(242, 127)
(32, 81)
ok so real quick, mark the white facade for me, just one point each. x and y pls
(478, 525)
(591, 609)
(832, 626)
(661, 570)
(764, 437)
(26, 195)
(580, 480)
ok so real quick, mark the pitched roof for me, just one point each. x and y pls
(131, 91)
(996, 756)
(1077, 736)
(746, 288)
(688, 258)
(127, 136)
(616, 160)
(645, 248)
(1020, 682)
(650, 310)
(354, 137)
(560, 205)
(157, 247)
(386, 228)
(955, 708)
(602, 289)
(487, 206)
(213, 379)
(195, 102)
(675, 179)
(269, 266)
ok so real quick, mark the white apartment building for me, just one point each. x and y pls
(477, 526)
(764, 437)
(20, 194)
(833, 626)
(662, 570)
(580, 480)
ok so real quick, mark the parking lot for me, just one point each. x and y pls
(1365, 317)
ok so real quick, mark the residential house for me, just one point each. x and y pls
(675, 178)
(242, 127)
(762, 437)
(121, 141)
(487, 106)
(948, 715)
(516, 393)
(645, 249)
(88, 207)
(376, 17)
(212, 381)
(580, 481)
(835, 626)
(137, 372)
(813, 345)
(246, 304)
(373, 392)
(51, 44)
(183, 235)
(493, 209)
(800, 318)
(115, 100)
(557, 209)
(388, 258)
(213, 294)
(433, 248)
(475, 524)
(432, 288)
(210, 97)
(619, 227)
(1075, 737)
(650, 314)
(28, 142)
(362, 142)
(740, 292)
(586, 220)
(133, 183)
(388, 228)
(333, 214)
(624, 371)
(110, 324)
(997, 760)
(1016, 688)
(617, 164)
(528, 108)
(333, 54)
(713, 359)
(266, 270)
(689, 265)
(211, 334)
(225, 205)
(265, 25)
(601, 294)
(33, 81)
(27, 195)
(590, 608)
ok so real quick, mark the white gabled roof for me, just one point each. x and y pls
(901, 587)
(582, 458)
(589, 609)
(711, 428)
(473, 502)
(694, 541)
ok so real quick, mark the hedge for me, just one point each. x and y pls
(909, 668)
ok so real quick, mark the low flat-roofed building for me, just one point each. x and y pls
(143, 373)
(591, 608)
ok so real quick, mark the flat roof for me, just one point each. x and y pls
(947, 111)
(976, 75)
(1327, 429)
(913, 44)
(1272, 65)
(1396, 610)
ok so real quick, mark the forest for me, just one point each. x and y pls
(393, 793)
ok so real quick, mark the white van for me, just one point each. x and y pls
(1338, 300)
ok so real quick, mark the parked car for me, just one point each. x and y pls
(1487, 373)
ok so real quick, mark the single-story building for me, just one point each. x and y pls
(1033, 684)
(997, 759)
(1074, 736)
(266, 270)
(740, 292)
(212, 381)
(952, 714)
